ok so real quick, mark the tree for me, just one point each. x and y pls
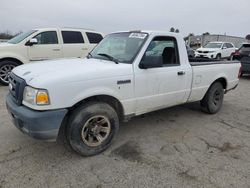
(206, 33)
(177, 31)
(172, 29)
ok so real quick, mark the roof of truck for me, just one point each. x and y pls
(150, 32)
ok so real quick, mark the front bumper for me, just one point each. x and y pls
(206, 55)
(43, 125)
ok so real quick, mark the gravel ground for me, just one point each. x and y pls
(175, 147)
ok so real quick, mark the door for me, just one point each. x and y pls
(46, 48)
(74, 44)
(231, 49)
(168, 83)
(226, 52)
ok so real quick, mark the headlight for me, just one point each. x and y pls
(35, 96)
(211, 52)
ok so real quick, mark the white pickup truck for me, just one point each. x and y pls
(126, 75)
(44, 44)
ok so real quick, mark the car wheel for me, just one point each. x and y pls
(91, 128)
(212, 101)
(5, 68)
(218, 57)
(231, 57)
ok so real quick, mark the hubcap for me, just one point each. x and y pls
(4, 72)
(217, 97)
(96, 130)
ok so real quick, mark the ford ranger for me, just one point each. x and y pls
(127, 74)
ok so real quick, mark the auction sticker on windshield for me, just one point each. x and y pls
(138, 35)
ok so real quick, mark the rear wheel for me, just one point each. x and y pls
(212, 101)
(5, 68)
(92, 127)
(231, 57)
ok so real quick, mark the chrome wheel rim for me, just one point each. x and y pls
(96, 130)
(4, 72)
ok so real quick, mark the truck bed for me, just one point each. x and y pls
(205, 61)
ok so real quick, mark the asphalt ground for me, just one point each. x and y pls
(174, 147)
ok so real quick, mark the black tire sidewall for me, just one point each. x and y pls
(211, 107)
(218, 57)
(7, 62)
(78, 119)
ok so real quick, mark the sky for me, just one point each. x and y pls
(189, 16)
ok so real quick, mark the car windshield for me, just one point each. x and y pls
(213, 45)
(20, 37)
(122, 47)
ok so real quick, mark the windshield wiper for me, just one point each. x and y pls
(109, 57)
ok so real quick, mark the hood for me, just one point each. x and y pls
(207, 49)
(70, 70)
(6, 45)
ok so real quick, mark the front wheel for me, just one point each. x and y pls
(218, 57)
(212, 101)
(5, 68)
(92, 127)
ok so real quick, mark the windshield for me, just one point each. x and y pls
(121, 46)
(21, 37)
(213, 45)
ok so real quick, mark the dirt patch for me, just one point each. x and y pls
(129, 151)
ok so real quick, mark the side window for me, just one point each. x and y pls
(72, 37)
(224, 46)
(229, 45)
(94, 38)
(163, 51)
(48, 37)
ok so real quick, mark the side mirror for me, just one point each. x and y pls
(148, 62)
(31, 42)
(224, 47)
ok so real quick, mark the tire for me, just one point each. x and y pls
(85, 130)
(212, 101)
(5, 68)
(231, 58)
(218, 57)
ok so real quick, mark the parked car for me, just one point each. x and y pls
(190, 52)
(243, 55)
(216, 50)
(126, 75)
(43, 44)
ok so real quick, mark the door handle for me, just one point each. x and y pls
(84, 48)
(180, 73)
(56, 49)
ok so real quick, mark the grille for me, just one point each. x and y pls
(203, 52)
(16, 85)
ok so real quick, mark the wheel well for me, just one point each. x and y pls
(222, 81)
(112, 101)
(11, 59)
